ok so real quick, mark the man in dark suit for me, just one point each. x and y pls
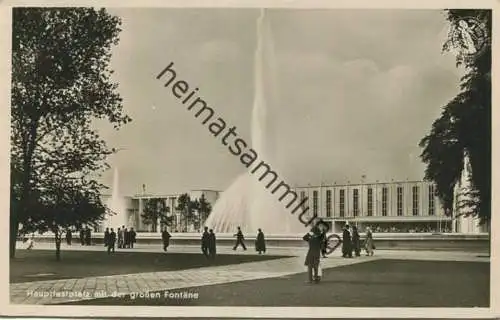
(132, 237)
(239, 240)
(106, 238)
(204, 242)
(111, 241)
(212, 244)
(69, 236)
(165, 237)
(126, 238)
(346, 243)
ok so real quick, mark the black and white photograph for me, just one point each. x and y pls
(263, 156)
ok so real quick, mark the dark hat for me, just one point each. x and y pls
(315, 230)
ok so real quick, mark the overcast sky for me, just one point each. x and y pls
(358, 89)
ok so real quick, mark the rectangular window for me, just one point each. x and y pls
(315, 202)
(400, 201)
(328, 203)
(415, 205)
(302, 197)
(370, 202)
(431, 200)
(384, 201)
(355, 202)
(342, 203)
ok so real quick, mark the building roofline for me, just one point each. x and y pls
(152, 195)
(363, 184)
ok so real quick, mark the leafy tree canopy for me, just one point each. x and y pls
(464, 127)
(60, 85)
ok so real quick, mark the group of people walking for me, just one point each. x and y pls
(209, 241)
(260, 241)
(126, 238)
(351, 242)
(317, 240)
(85, 236)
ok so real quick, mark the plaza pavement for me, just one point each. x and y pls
(108, 286)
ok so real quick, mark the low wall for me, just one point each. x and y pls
(393, 241)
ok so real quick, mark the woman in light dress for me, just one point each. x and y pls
(369, 245)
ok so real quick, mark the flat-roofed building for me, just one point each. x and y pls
(402, 206)
(135, 207)
(396, 206)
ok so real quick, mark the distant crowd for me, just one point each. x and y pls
(126, 238)
(123, 238)
(410, 229)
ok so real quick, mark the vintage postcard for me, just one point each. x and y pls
(266, 159)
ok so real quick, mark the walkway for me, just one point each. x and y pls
(66, 290)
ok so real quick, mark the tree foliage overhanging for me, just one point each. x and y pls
(464, 126)
(60, 85)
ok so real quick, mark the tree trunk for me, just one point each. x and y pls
(14, 228)
(58, 246)
(25, 187)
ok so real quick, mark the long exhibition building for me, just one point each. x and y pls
(392, 207)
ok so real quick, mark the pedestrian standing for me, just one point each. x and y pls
(239, 239)
(111, 241)
(132, 237)
(88, 236)
(126, 238)
(204, 242)
(260, 242)
(212, 244)
(314, 240)
(165, 236)
(369, 244)
(106, 238)
(69, 236)
(120, 237)
(356, 245)
(346, 243)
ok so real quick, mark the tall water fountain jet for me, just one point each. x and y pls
(464, 197)
(117, 205)
(247, 202)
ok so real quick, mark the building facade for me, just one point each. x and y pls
(393, 207)
(405, 206)
(134, 207)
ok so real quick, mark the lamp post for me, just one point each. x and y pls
(363, 181)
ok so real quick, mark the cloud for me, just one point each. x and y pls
(357, 90)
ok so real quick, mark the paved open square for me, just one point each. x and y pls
(184, 277)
